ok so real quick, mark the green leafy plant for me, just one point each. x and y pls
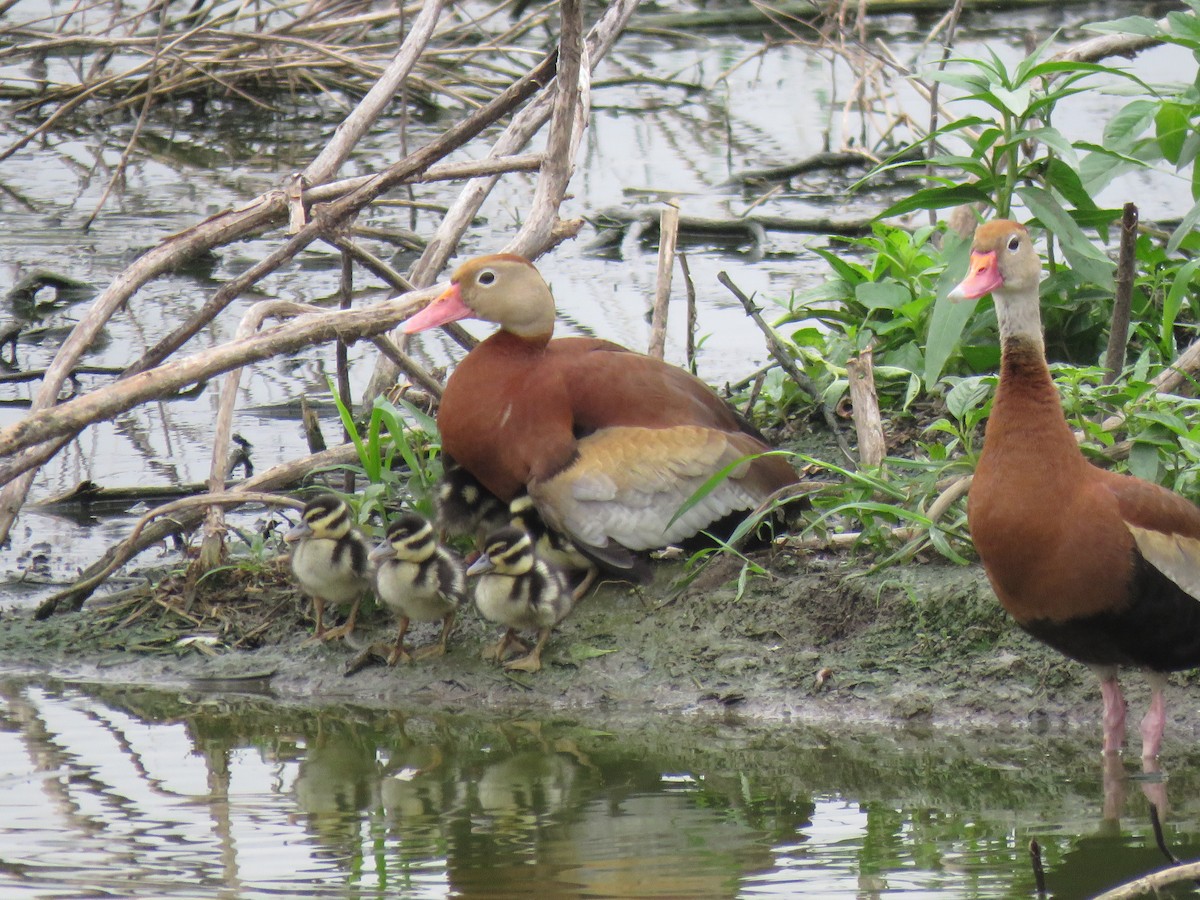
(399, 455)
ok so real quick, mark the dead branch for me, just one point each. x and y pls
(781, 355)
(125, 551)
(1118, 331)
(868, 424)
(669, 231)
(313, 328)
(274, 479)
(1154, 883)
(265, 210)
(520, 130)
(742, 227)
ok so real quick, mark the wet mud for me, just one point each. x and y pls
(822, 641)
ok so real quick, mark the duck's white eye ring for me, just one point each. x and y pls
(1014, 243)
(486, 278)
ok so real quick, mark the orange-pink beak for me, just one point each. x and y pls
(983, 277)
(447, 307)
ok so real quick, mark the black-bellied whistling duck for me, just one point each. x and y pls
(1103, 567)
(329, 560)
(609, 443)
(551, 546)
(419, 580)
(518, 590)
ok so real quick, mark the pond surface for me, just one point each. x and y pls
(133, 792)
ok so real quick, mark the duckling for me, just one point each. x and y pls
(464, 507)
(518, 590)
(329, 560)
(552, 546)
(419, 579)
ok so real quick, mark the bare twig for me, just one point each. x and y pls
(784, 358)
(1118, 332)
(523, 126)
(1153, 884)
(690, 336)
(668, 231)
(868, 424)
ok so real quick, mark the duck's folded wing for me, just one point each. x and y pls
(629, 485)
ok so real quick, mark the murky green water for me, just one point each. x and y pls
(136, 793)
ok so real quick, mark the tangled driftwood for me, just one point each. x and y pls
(553, 91)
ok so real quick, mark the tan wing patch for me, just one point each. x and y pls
(628, 483)
(1175, 555)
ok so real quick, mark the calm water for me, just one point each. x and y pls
(136, 793)
(109, 792)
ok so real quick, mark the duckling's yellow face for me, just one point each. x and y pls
(325, 517)
(410, 538)
(508, 551)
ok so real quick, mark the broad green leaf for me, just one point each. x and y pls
(1129, 123)
(1170, 128)
(1180, 288)
(1128, 25)
(1015, 101)
(882, 295)
(1051, 137)
(948, 318)
(1185, 228)
(1184, 26)
(938, 198)
(1088, 261)
(967, 395)
(1064, 179)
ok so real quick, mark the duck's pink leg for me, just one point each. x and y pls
(1155, 719)
(1114, 710)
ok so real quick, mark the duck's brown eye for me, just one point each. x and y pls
(1014, 243)
(486, 277)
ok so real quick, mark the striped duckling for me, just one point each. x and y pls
(552, 546)
(329, 560)
(464, 507)
(516, 589)
(420, 580)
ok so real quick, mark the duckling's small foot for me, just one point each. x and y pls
(399, 654)
(530, 663)
(438, 648)
(333, 634)
(497, 651)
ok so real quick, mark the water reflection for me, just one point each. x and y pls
(143, 793)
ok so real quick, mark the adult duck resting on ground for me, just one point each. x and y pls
(329, 561)
(608, 443)
(1103, 567)
(418, 579)
(518, 590)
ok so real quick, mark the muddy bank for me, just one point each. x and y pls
(819, 642)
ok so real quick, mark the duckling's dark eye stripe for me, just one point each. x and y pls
(507, 553)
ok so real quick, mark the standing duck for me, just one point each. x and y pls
(609, 443)
(329, 560)
(1103, 567)
(516, 589)
(420, 580)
